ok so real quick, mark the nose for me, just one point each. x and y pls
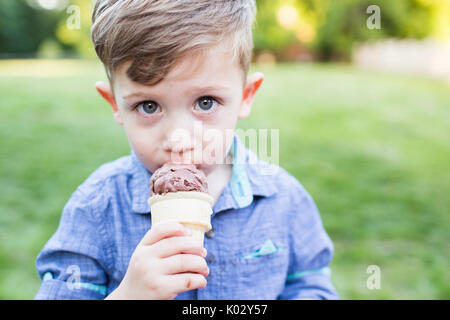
(182, 137)
(178, 138)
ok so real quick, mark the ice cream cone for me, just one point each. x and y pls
(191, 208)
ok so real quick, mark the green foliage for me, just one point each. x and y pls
(79, 37)
(335, 25)
(22, 28)
(345, 24)
(268, 34)
(339, 24)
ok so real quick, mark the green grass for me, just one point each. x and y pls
(372, 149)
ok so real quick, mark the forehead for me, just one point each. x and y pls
(212, 66)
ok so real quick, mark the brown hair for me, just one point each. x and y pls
(154, 34)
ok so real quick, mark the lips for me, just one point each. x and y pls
(184, 157)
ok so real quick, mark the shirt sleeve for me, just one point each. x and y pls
(311, 252)
(72, 263)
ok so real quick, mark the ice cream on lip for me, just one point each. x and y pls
(177, 177)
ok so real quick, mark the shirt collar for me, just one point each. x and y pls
(249, 178)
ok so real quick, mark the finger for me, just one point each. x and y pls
(182, 263)
(175, 245)
(181, 282)
(164, 230)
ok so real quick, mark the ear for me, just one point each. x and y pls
(104, 89)
(253, 83)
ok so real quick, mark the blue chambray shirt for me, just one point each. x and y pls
(268, 240)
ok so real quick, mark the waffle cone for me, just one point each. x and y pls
(190, 208)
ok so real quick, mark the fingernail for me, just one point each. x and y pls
(187, 231)
(204, 252)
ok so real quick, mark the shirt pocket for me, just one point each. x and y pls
(258, 270)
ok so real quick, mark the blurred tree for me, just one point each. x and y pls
(23, 28)
(440, 11)
(283, 24)
(331, 27)
(268, 34)
(74, 27)
(327, 28)
(345, 24)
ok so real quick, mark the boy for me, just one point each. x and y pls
(171, 66)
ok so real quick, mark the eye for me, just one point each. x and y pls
(147, 107)
(206, 103)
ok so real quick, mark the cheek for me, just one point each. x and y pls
(225, 118)
(147, 153)
(144, 141)
(221, 127)
(217, 141)
(138, 130)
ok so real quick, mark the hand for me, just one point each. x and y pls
(166, 262)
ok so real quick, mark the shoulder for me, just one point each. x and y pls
(120, 167)
(298, 205)
(295, 207)
(96, 191)
(282, 190)
(287, 182)
(290, 189)
(272, 179)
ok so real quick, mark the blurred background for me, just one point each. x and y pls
(359, 89)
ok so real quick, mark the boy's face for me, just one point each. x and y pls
(189, 116)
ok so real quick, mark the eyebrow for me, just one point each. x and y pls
(136, 94)
(141, 94)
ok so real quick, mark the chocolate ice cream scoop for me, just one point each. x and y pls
(177, 177)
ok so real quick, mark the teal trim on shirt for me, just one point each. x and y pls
(239, 182)
(292, 276)
(78, 285)
(93, 287)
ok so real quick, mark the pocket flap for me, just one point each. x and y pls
(268, 247)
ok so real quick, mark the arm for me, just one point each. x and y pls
(72, 263)
(311, 251)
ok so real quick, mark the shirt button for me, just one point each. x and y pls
(210, 233)
(210, 258)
